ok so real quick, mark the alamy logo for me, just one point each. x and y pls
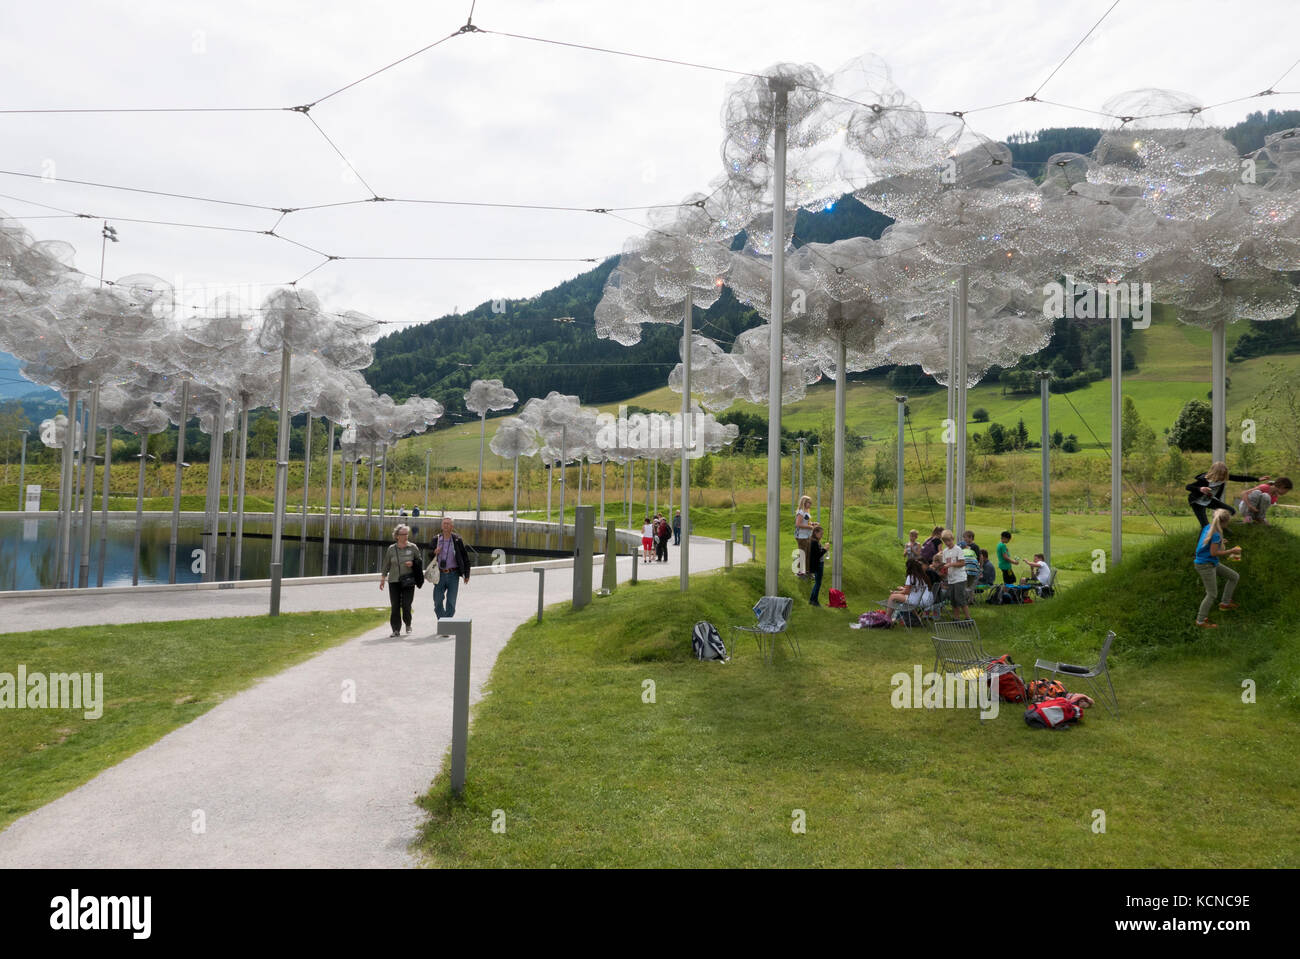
(653, 431)
(102, 912)
(53, 691)
(946, 691)
(1071, 300)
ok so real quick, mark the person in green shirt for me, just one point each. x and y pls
(1005, 560)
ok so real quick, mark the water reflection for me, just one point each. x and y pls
(29, 548)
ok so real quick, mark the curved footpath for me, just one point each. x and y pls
(286, 773)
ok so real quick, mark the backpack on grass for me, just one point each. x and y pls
(1057, 713)
(1010, 686)
(836, 600)
(706, 643)
(875, 619)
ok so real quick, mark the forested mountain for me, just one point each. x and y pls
(525, 346)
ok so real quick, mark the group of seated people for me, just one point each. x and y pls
(929, 565)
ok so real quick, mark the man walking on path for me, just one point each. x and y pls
(677, 529)
(452, 560)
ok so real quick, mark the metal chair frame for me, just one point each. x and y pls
(784, 606)
(1092, 675)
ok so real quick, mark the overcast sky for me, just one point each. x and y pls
(496, 119)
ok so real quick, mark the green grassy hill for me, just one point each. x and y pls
(714, 767)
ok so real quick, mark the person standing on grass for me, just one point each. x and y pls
(954, 570)
(397, 573)
(912, 550)
(452, 561)
(816, 554)
(1005, 562)
(803, 531)
(1209, 547)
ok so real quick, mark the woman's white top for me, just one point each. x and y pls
(920, 594)
(804, 532)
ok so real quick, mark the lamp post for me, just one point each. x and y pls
(22, 470)
(898, 489)
(427, 454)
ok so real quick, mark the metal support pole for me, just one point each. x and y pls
(564, 470)
(1218, 390)
(243, 477)
(514, 509)
(306, 485)
(22, 475)
(817, 453)
(176, 488)
(963, 376)
(139, 508)
(482, 439)
(898, 487)
(427, 454)
(1044, 378)
(383, 486)
(281, 485)
(230, 500)
(951, 447)
(65, 495)
(370, 493)
(688, 446)
(103, 507)
(1116, 439)
(212, 499)
(780, 92)
(329, 492)
(837, 482)
(460, 628)
(803, 441)
(603, 464)
(88, 501)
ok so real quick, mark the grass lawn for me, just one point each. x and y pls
(157, 677)
(711, 773)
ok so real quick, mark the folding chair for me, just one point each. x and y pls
(1048, 591)
(1092, 674)
(961, 656)
(958, 629)
(773, 614)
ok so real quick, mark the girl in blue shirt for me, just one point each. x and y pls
(1209, 547)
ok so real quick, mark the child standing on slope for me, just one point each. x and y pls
(1209, 547)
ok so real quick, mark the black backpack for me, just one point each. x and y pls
(706, 643)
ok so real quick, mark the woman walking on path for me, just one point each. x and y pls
(397, 572)
(803, 531)
(1206, 491)
(1209, 547)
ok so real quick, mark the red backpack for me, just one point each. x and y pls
(1010, 686)
(836, 599)
(1053, 713)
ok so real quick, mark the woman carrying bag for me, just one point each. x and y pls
(402, 570)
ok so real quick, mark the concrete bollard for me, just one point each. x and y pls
(460, 628)
(541, 589)
(727, 550)
(744, 534)
(634, 559)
